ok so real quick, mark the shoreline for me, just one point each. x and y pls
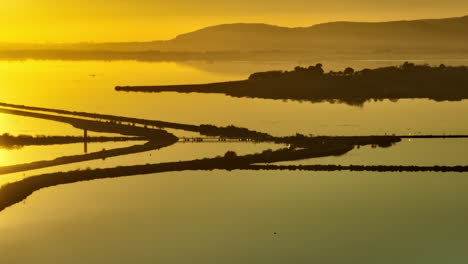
(407, 81)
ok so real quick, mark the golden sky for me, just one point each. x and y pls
(143, 20)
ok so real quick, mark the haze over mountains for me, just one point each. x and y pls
(448, 35)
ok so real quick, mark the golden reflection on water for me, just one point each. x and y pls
(52, 82)
(29, 154)
(331, 212)
(399, 216)
(89, 86)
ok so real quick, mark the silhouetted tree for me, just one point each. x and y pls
(349, 71)
(230, 154)
(408, 66)
(319, 67)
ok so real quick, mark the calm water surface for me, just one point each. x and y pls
(231, 217)
(69, 85)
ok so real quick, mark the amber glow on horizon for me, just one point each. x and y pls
(42, 21)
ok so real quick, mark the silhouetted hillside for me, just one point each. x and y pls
(430, 35)
(448, 35)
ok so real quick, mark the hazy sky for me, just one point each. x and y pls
(142, 20)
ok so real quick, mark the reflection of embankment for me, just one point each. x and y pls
(9, 141)
(307, 146)
(16, 192)
(113, 118)
(211, 130)
(376, 168)
(152, 145)
(124, 122)
(156, 138)
(93, 125)
(208, 130)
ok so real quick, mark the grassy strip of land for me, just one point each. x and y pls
(123, 123)
(106, 118)
(93, 125)
(103, 154)
(156, 138)
(10, 141)
(375, 168)
(16, 192)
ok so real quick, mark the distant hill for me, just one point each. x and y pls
(429, 35)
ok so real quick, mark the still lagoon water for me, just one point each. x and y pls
(231, 217)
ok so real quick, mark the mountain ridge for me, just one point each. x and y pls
(424, 35)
